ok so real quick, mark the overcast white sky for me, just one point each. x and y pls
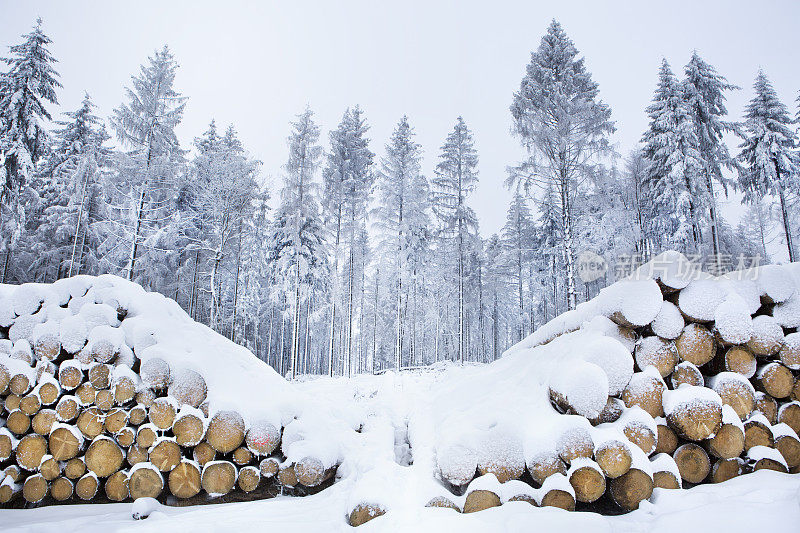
(258, 64)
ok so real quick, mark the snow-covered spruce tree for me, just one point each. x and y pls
(675, 168)
(635, 178)
(769, 164)
(703, 89)
(224, 192)
(401, 221)
(299, 251)
(146, 174)
(65, 232)
(30, 82)
(456, 177)
(517, 241)
(347, 182)
(548, 245)
(499, 296)
(563, 124)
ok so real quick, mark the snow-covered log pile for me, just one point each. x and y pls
(109, 393)
(664, 380)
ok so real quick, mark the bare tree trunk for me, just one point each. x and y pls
(375, 320)
(334, 295)
(785, 214)
(236, 282)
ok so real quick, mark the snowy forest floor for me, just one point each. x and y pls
(764, 500)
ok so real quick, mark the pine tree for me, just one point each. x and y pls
(456, 177)
(299, 252)
(517, 244)
(768, 157)
(674, 174)
(30, 82)
(146, 124)
(704, 89)
(347, 182)
(67, 228)
(401, 219)
(564, 126)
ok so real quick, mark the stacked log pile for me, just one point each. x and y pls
(84, 418)
(712, 392)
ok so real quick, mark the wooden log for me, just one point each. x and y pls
(311, 472)
(116, 486)
(587, 480)
(696, 344)
(104, 457)
(665, 472)
(184, 479)
(667, 440)
(30, 451)
(11, 403)
(100, 375)
(75, 468)
(145, 481)
(137, 415)
(203, 453)
(14, 473)
(479, 500)
(9, 491)
(125, 436)
(50, 468)
(767, 336)
(30, 404)
(757, 432)
(5, 377)
(789, 353)
(364, 512)
(249, 478)
(693, 462)
(558, 498)
(162, 413)
(645, 390)
(242, 456)
(775, 379)
(640, 434)
(104, 400)
(61, 489)
(86, 393)
(20, 384)
(35, 488)
(445, 503)
(694, 416)
(795, 396)
(544, 464)
(688, 373)
(70, 375)
(146, 435)
(737, 359)
(727, 443)
(287, 475)
(767, 406)
(262, 438)
(65, 442)
(46, 367)
(136, 454)
(18, 422)
(49, 392)
(225, 431)
(657, 352)
(155, 373)
(574, 442)
(218, 477)
(759, 459)
(188, 429)
(665, 480)
(67, 409)
(90, 422)
(631, 488)
(789, 413)
(268, 467)
(7, 443)
(145, 398)
(188, 387)
(787, 443)
(613, 457)
(165, 454)
(610, 413)
(124, 390)
(115, 420)
(736, 391)
(86, 487)
(725, 469)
